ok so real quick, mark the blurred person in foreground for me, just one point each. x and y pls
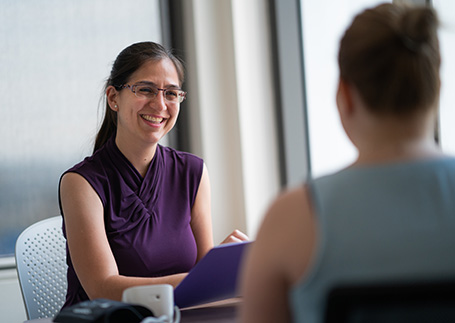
(388, 217)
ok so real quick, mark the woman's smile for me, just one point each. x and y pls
(153, 119)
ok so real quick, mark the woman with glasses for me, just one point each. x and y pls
(135, 212)
(388, 217)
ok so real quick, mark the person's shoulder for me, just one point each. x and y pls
(288, 213)
(178, 155)
(91, 169)
(92, 163)
(289, 225)
(73, 179)
(290, 202)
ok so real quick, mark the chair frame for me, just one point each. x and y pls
(41, 267)
(412, 301)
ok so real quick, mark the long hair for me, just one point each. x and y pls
(127, 62)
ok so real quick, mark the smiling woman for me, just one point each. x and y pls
(141, 208)
(145, 119)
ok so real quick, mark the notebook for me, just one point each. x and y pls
(213, 278)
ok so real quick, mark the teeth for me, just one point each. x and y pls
(152, 119)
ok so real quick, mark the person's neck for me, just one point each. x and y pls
(398, 150)
(389, 139)
(139, 154)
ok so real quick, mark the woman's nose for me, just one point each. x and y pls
(159, 102)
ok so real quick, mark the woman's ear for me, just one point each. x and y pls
(344, 98)
(112, 96)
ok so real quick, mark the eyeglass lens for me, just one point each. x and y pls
(150, 92)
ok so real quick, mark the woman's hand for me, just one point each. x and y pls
(236, 236)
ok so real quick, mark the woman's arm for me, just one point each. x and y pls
(201, 217)
(91, 254)
(278, 258)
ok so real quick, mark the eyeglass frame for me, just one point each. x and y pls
(181, 95)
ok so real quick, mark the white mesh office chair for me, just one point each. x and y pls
(41, 267)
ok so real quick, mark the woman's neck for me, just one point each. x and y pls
(139, 154)
(398, 151)
(392, 140)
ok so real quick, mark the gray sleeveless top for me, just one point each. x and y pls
(387, 223)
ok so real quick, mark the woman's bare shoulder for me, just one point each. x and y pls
(291, 206)
(289, 231)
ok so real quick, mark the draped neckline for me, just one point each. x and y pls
(142, 186)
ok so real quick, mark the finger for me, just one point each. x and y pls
(231, 239)
(239, 235)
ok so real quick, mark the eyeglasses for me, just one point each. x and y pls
(149, 91)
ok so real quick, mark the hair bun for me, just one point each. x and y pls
(418, 27)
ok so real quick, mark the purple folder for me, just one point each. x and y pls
(213, 278)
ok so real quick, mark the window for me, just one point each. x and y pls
(446, 12)
(54, 60)
(306, 36)
(330, 148)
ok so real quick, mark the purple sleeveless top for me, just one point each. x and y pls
(147, 219)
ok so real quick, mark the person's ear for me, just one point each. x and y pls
(111, 97)
(344, 98)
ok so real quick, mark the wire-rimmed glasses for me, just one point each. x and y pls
(150, 91)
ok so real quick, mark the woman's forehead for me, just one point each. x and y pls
(157, 71)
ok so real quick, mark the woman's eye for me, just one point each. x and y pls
(171, 93)
(145, 90)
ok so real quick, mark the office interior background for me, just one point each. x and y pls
(261, 79)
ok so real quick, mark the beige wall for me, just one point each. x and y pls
(12, 308)
(230, 79)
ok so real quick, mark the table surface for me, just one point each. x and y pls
(220, 312)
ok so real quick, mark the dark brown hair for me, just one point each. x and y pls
(390, 53)
(127, 62)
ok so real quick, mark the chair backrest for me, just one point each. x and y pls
(41, 267)
(417, 302)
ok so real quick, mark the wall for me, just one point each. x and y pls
(12, 308)
(229, 73)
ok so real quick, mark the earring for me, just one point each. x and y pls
(116, 106)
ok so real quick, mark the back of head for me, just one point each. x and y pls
(390, 53)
